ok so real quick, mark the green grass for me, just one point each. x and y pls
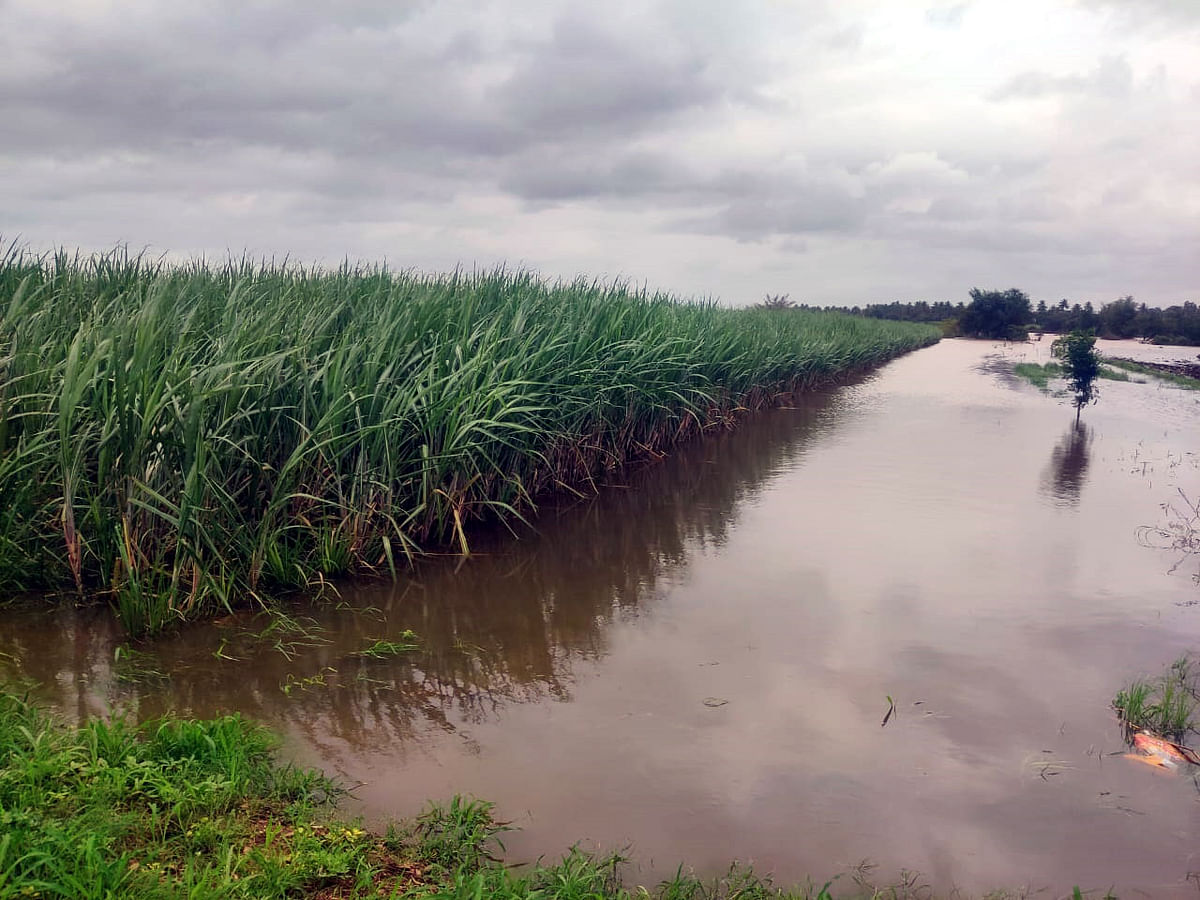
(176, 808)
(1166, 705)
(183, 440)
(166, 808)
(1183, 381)
(135, 667)
(384, 649)
(1039, 374)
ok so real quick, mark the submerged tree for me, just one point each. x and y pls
(1081, 366)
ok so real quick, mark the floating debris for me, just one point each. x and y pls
(1044, 768)
(1156, 751)
(890, 711)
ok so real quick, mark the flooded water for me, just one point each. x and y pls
(696, 663)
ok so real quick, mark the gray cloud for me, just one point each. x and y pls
(798, 212)
(946, 16)
(333, 86)
(1151, 15)
(1112, 78)
(551, 176)
(702, 146)
(849, 38)
(585, 80)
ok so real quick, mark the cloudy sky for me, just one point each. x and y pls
(842, 151)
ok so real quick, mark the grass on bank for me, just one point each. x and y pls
(179, 440)
(177, 808)
(1184, 381)
(1039, 374)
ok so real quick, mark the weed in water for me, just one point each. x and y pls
(1165, 705)
(220, 653)
(136, 667)
(320, 679)
(1180, 533)
(288, 635)
(384, 649)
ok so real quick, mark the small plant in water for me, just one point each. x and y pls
(1180, 533)
(384, 649)
(288, 635)
(134, 667)
(1165, 705)
(318, 680)
(1080, 365)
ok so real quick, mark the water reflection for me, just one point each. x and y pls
(508, 625)
(1067, 472)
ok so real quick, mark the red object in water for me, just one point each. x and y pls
(1161, 752)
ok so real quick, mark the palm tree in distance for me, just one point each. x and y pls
(776, 301)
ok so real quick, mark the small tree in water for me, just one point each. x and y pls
(1081, 366)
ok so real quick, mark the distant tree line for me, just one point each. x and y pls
(1124, 318)
(1010, 314)
(920, 311)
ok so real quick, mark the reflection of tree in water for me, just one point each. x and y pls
(1068, 466)
(505, 625)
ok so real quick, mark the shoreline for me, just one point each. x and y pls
(204, 809)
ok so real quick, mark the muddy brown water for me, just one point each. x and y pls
(937, 532)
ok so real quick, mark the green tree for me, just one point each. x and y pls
(1119, 318)
(1081, 366)
(777, 301)
(1001, 315)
